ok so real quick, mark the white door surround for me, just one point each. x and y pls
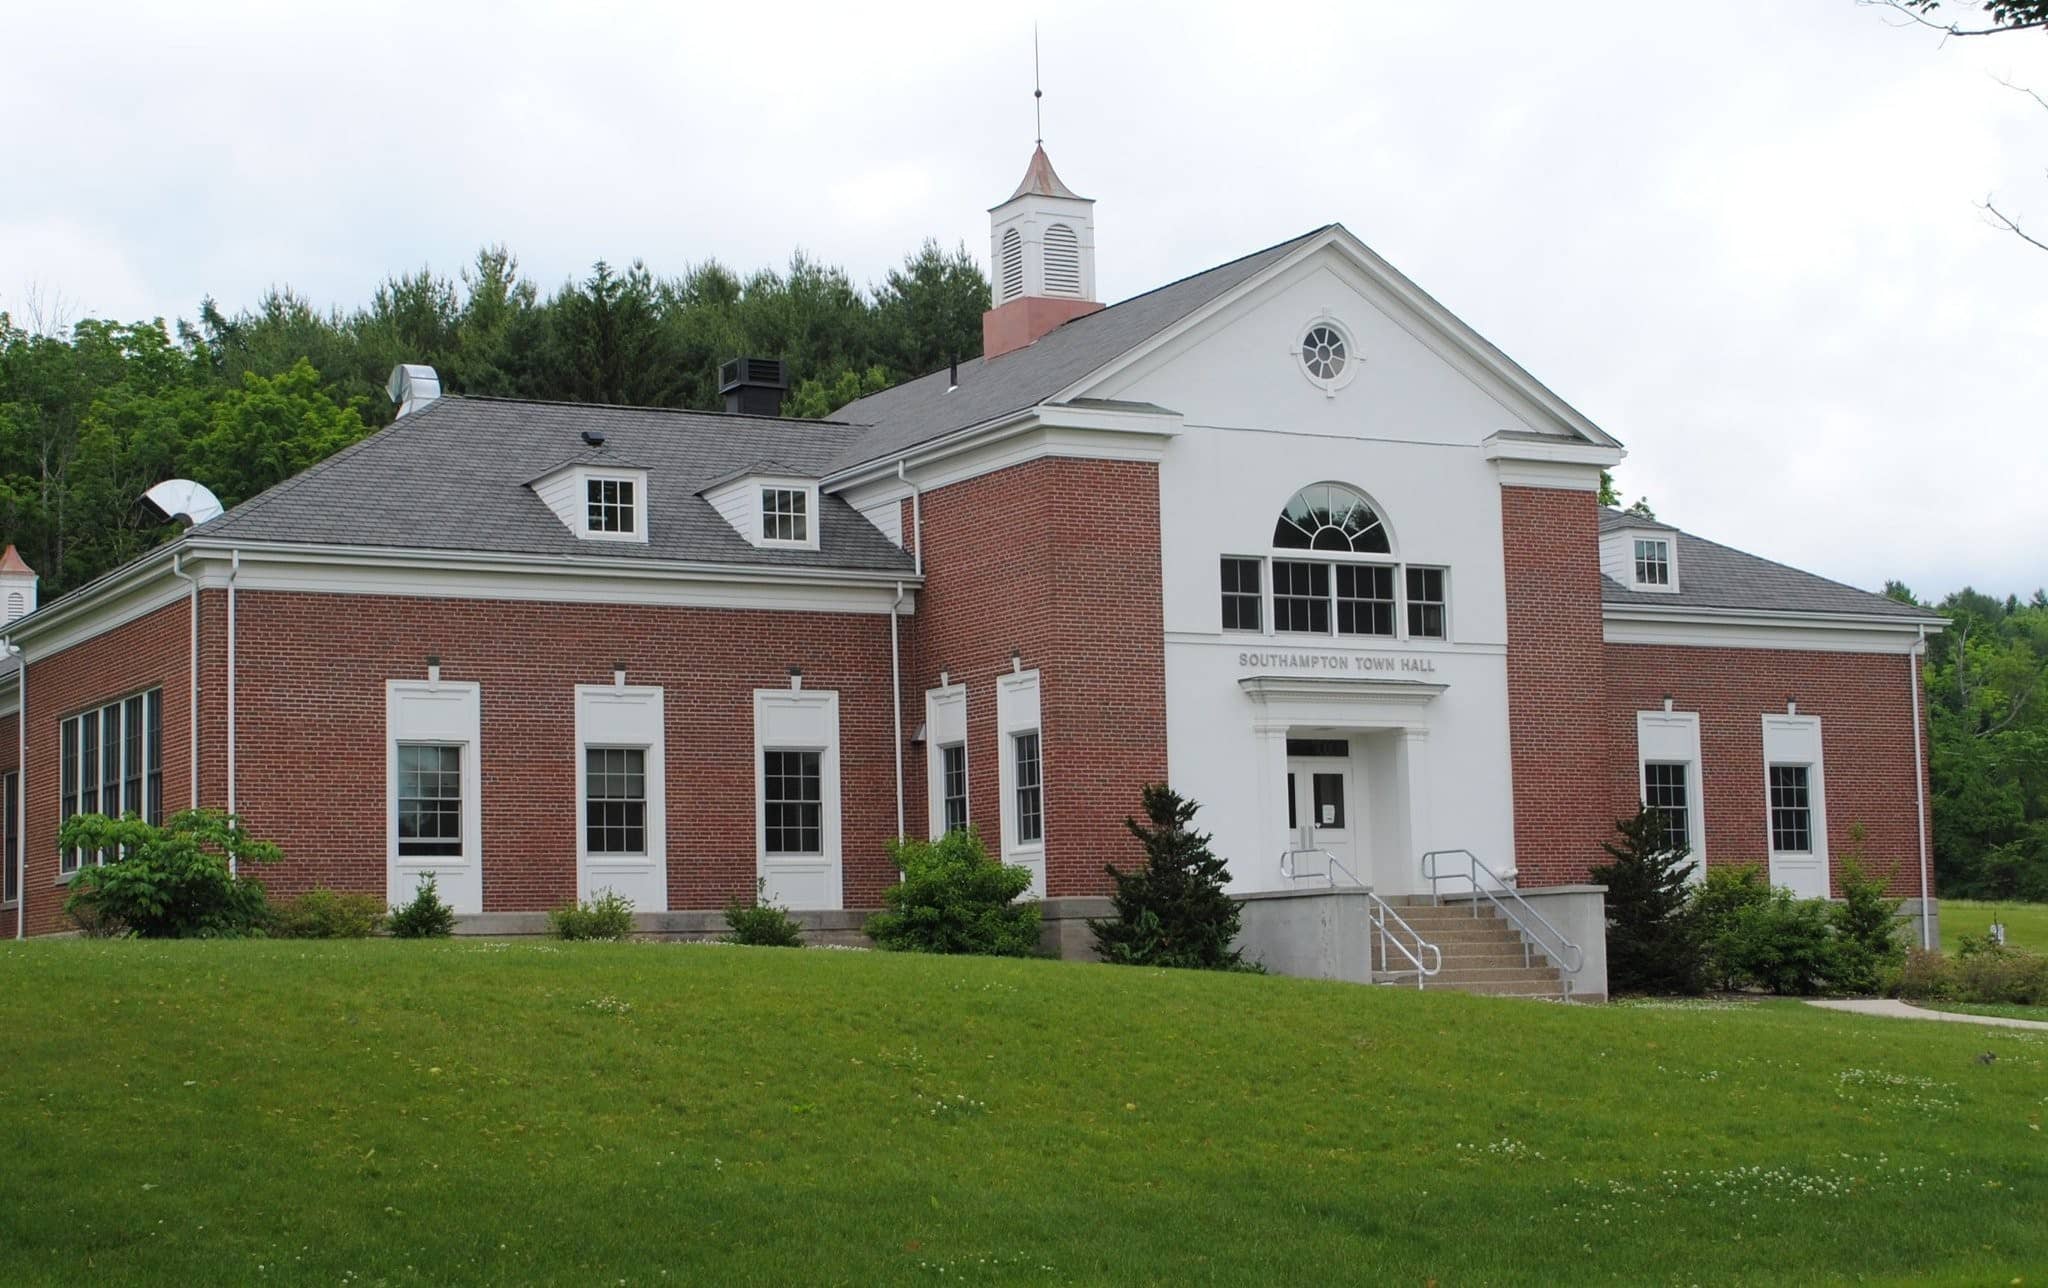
(624, 717)
(1385, 723)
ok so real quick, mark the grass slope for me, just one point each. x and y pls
(402, 1113)
(2026, 924)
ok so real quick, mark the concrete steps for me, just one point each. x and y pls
(1482, 954)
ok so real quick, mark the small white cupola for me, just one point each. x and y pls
(1641, 557)
(17, 587)
(1042, 260)
(772, 506)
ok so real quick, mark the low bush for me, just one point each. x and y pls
(762, 923)
(1781, 943)
(1173, 911)
(1926, 976)
(328, 914)
(955, 899)
(424, 916)
(607, 915)
(1869, 949)
(175, 881)
(1720, 901)
(1981, 971)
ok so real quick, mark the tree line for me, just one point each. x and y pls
(93, 413)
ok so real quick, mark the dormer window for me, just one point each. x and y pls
(614, 507)
(1653, 561)
(786, 515)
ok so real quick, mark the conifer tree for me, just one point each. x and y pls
(1173, 911)
(1652, 944)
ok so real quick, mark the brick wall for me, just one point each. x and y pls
(153, 651)
(1555, 662)
(1058, 559)
(310, 713)
(1866, 716)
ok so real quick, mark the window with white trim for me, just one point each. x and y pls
(1791, 809)
(615, 800)
(1243, 593)
(1365, 599)
(111, 763)
(1666, 790)
(429, 799)
(1030, 794)
(613, 505)
(793, 800)
(785, 515)
(1427, 616)
(1373, 598)
(1301, 597)
(1653, 561)
(953, 785)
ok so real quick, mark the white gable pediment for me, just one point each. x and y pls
(1413, 371)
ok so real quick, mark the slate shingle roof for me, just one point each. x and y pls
(920, 410)
(453, 476)
(1711, 575)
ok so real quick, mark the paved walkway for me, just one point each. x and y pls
(1891, 1008)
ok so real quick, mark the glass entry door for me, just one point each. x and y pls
(1320, 802)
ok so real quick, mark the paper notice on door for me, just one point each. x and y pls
(1329, 815)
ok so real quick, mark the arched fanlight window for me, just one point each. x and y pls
(1330, 516)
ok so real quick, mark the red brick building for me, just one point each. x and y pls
(1284, 532)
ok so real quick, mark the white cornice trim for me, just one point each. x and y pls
(1686, 627)
(1562, 451)
(1050, 429)
(1561, 475)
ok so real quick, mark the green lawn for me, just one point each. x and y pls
(2026, 924)
(387, 1112)
(2009, 1010)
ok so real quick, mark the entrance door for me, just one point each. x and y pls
(1320, 807)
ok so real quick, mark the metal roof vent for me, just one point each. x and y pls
(754, 385)
(412, 386)
(195, 503)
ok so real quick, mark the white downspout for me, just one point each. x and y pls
(20, 789)
(896, 709)
(234, 570)
(191, 692)
(1920, 789)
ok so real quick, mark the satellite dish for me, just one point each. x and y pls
(183, 499)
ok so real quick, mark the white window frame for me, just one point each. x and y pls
(1662, 556)
(1353, 361)
(761, 487)
(631, 717)
(1018, 710)
(1797, 740)
(10, 786)
(638, 480)
(1673, 738)
(151, 739)
(450, 713)
(945, 725)
(800, 720)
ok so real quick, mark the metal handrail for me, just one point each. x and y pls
(1520, 913)
(1381, 913)
(1378, 913)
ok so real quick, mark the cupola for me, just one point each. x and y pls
(17, 587)
(1042, 256)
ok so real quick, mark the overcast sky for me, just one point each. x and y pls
(1741, 237)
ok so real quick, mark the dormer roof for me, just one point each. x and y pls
(1040, 181)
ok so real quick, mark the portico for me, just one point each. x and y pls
(1344, 779)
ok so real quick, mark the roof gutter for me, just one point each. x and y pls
(1627, 611)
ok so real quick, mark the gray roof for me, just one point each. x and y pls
(1711, 575)
(920, 410)
(453, 476)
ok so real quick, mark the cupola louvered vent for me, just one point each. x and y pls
(755, 386)
(1010, 273)
(1062, 261)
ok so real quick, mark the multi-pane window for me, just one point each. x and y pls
(1664, 790)
(429, 799)
(793, 814)
(1365, 599)
(615, 800)
(11, 861)
(785, 514)
(1791, 810)
(953, 776)
(1241, 594)
(112, 764)
(1426, 620)
(1030, 793)
(1301, 597)
(1653, 562)
(613, 506)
